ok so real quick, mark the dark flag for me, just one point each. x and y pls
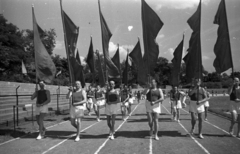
(137, 60)
(116, 60)
(112, 70)
(151, 25)
(101, 79)
(193, 59)
(70, 38)
(222, 48)
(91, 60)
(45, 68)
(176, 61)
(78, 70)
(125, 72)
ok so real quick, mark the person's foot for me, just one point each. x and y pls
(98, 119)
(205, 119)
(39, 137)
(77, 139)
(43, 132)
(110, 133)
(200, 136)
(231, 131)
(112, 137)
(156, 137)
(192, 132)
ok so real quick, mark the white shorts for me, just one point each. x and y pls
(41, 109)
(90, 100)
(111, 109)
(193, 107)
(130, 100)
(234, 107)
(176, 105)
(156, 108)
(206, 104)
(77, 111)
(99, 102)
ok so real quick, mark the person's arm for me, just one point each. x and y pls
(145, 91)
(48, 98)
(205, 97)
(84, 99)
(69, 94)
(160, 99)
(34, 95)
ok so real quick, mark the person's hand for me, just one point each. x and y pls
(152, 103)
(70, 88)
(38, 105)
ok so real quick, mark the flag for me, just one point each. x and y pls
(137, 60)
(125, 72)
(193, 59)
(151, 25)
(90, 58)
(106, 35)
(24, 70)
(222, 48)
(101, 79)
(116, 60)
(176, 61)
(45, 68)
(78, 70)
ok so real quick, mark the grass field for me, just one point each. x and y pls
(220, 105)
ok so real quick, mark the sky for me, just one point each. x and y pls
(124, 21)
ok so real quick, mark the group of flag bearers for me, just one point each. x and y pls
(154, 96)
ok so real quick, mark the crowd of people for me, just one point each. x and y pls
(110, 97)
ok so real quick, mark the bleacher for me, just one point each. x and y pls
(8, 98)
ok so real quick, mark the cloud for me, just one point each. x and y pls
(205, 57)
(179, 4)
(122, 50)
(130, 28)
(160, 36)
(82, 60)
(59, 45)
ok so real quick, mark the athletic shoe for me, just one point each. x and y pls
(205, 119)
(156, 137)
(77, 139)
(192, 132)
(39, 137)
(200, 136)
(98, 119)
(112, 137)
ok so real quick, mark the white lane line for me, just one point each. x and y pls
(68, 138)
(150, 146)
(104, 143)
(200, 145)
(30, 133)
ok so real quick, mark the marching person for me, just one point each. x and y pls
(234, 92)
(176, 98)
(99, 97)
(90, 99)
(112, 99)
(154, 98)
(198, 97)
(138, 96)
(206, 105)
(78, 99)
(43, 99)
(130, 100)
(124, 100)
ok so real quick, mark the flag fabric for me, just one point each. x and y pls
(125, 72)
(222, 48)
(45, 68)
(24, 70)
(101, 79)
(193, 59)
(151, 25)
(116, 60)
(112, 70)
(71, 31)
(78, 70)
(137, 60)
(90, 58)
(176, 61)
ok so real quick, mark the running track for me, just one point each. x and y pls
(131, 137)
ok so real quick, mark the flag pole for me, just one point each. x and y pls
(66, 45)
(33, 15)
(199, 67)
(181, 61)
(93, 74)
